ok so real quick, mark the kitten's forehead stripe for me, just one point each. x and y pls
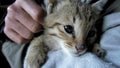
(73, 19)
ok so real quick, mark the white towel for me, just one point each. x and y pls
(59, 60)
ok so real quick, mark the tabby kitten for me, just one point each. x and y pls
(69, 26)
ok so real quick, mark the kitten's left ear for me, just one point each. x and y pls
(99, 5)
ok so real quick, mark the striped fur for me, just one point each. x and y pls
(81, 16)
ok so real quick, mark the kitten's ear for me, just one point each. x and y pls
(49, 4)
(99, 5)
(86, 1)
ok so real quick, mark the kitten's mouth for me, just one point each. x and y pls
(80, 49)
(76, 50)
(80, 52)
(77, 54)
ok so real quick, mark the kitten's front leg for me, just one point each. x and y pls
(36, 54)
(99, 51)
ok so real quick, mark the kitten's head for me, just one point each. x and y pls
(73, 23)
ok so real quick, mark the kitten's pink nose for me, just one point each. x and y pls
(80, 48)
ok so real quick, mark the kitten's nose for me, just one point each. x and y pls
(80, 48)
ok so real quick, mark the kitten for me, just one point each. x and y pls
(70, 26)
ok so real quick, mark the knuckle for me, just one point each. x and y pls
(5, 30)
(12, 12)
(36, 17)
(37, 14)
(35, 28)
(7, 19)
(29, 36)
(10, 8)
(20, 40)
(19, 2)
(8, 23)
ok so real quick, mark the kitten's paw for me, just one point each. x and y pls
(34, 61)
(99, 51)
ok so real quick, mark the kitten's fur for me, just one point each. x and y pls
(68, 26)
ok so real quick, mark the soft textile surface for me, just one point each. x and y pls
(110, 40)
(88, 60)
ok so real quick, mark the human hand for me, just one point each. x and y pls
(23, 19)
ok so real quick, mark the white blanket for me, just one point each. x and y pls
(59, 60)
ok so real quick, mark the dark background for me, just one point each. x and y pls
(3, 6)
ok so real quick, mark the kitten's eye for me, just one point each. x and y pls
(91, 33)
(68, 29)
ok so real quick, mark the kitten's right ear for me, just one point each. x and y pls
(50, 5)
(86, 1)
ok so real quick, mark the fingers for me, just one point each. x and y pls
(17, 13)
(16, 31)
(36, 13)
(18, 28)
(23, 19)
(12, 35)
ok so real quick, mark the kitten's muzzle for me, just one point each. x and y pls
(80, 48)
